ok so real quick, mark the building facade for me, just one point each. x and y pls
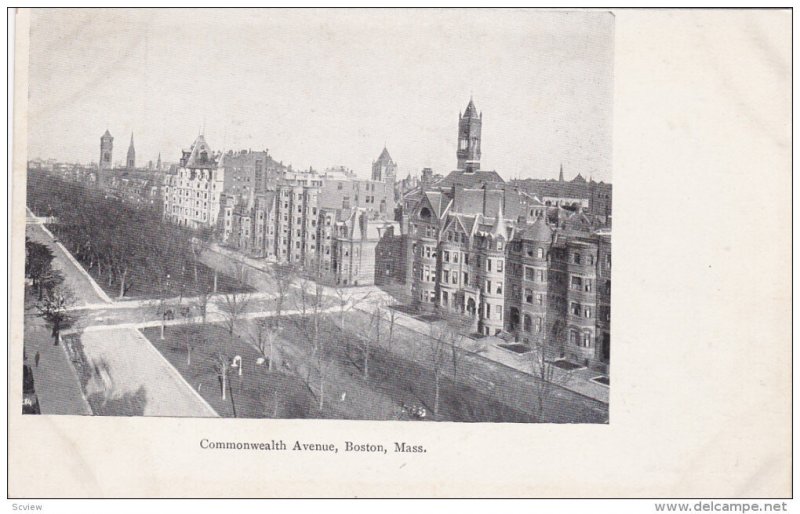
(192, 194)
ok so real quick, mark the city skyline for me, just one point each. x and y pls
(391, 91)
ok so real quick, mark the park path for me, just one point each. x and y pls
(86, 290)
(129, 366)
(127, 358)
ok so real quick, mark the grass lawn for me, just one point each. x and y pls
(251, 395)
(474, 390)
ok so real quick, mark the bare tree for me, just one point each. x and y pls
(438, 355)
(222, 368)
(546, 378)
(283, 275)
(455, 325)
(265, 338)
(188, 333)
(234, 303)
(54, 308)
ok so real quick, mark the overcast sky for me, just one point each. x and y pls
(322, 88)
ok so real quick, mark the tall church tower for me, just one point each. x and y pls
(384, 169)
(469, 139)
(130, 162)
(158, 164)
(106, 151)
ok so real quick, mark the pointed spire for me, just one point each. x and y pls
(561, 173)
(131, 139)
(471, 111)
(499, 227)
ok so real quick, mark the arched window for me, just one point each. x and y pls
(527, 323)
(540, 253)
(425, 213)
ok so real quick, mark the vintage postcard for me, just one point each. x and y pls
(363, 239)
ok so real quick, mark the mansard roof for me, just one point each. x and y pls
(195, 157)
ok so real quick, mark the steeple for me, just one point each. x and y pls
(384, 169)
(131, 160)
(561, 173)
(499, 227)
(158, 163)
(106, 151)
(469, 139)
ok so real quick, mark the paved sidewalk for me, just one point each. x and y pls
(57, 385)
(132, 368)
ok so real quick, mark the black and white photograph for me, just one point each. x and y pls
(366, 252)
(249, 227)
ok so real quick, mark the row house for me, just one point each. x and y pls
(193, 192)
(514, 274)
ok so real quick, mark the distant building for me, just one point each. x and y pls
(594, 197)
(385, 170)
(192, 194)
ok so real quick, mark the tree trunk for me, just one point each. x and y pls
(215, 281)
(122, 283)
(436, 395)
(269, 364)
(224, 384)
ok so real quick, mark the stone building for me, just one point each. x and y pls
(507, 262)
(192, 193)
(385, 170)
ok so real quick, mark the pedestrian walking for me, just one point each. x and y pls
(36, 359)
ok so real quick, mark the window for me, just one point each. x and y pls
(488, 286)
(455, 277)
(529, 296)
(529, 250)
(500, 314)
(587, 313)
(529, 273)
(587, 340)
(445, 298)
(591, 259)
(499, 288)
(466, 258)
(488, 311)
(488, 264)
(445, 276)
(575, 308)
(446, 256)
(587, 286)
(466, 279)
(455, 257)
(576, 283)
(499, 245)
(500, 266)
(539, 299)
(538, 325)
(574, 337)
(540, 253)
(527, 323)
(576, 258)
